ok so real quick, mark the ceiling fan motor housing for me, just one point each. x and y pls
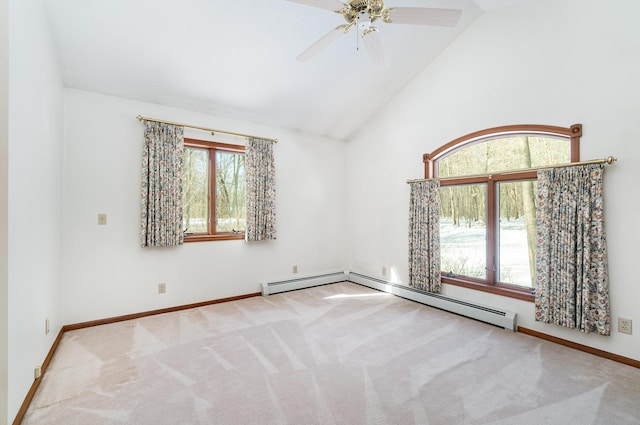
(356, 9)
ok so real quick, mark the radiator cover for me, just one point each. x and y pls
(284, 285)
(494, 316)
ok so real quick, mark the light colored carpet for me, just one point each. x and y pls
(335, 354)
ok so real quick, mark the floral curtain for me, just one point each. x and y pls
(571, 253)
(162, 190)
(260, 190)
(424, 236)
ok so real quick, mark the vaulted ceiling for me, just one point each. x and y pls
(237, 58)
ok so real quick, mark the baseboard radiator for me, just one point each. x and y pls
(501, 318)
(277, 286)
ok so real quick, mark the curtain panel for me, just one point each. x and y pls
(162, 188)
(424, 236)
(571, 254)
(260, 190)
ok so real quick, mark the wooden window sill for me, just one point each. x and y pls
(209, 238)
(498, 289)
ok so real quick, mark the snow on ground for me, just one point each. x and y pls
(463, 250)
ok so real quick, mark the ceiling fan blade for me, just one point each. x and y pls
(323, 42)
(332, 5)
(423, 16)
(373, 46)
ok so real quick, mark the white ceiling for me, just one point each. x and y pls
(237, 58)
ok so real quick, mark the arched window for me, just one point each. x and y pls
(488, 193)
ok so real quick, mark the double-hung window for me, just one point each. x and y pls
(214, 191)
(488, 203)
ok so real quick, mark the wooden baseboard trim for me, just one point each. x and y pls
(36, 382)
(581, 347)
(154, 312)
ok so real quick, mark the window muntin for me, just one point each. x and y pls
(214, 191)
(481, 169)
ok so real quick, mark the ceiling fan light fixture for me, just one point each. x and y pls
(364, 20)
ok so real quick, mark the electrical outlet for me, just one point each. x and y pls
(37, 371)
(295, 269)
(162, 288)
(624, 325)
(46, 326)
(102, 219)
(384, 271)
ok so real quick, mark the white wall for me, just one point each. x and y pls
(107, 273)
(4, 212)
(549, 62)
(35, 194)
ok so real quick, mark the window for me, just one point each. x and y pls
(214, 191)
(488, 193)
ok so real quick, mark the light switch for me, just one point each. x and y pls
(102, 219)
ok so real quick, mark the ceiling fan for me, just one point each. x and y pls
(363, 13)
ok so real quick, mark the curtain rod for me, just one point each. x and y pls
(212, 130)
(608, 160)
